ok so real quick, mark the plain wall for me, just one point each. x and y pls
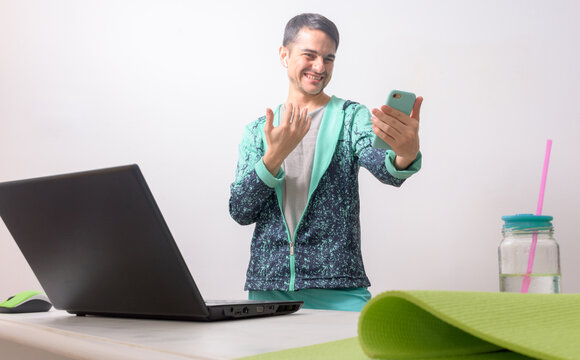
(170, 85)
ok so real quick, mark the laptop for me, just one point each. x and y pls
(98, 244)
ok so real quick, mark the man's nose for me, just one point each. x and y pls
(318, 64)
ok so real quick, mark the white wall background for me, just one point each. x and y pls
(170, 84)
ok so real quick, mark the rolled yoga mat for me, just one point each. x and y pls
(456, 325)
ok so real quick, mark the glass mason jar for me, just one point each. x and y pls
(519, 232)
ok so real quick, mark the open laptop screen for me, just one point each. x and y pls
(97, 243)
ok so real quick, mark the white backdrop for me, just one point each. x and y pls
(169, 85)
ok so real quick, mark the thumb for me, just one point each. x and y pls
(417, 108)
(269, 121)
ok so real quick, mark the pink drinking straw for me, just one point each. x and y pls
(527, 279)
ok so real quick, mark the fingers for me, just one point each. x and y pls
(269, 116)
(295, 116)
(417, 108)
(396, 119)
(386, 137)
(386, 121)
(269, 120)
(384, 131)
(288, 114)
(284, 138)
(394, 113)
(303, 120)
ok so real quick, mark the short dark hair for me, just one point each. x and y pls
(311, 21)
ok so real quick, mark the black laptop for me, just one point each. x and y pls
(98, 244)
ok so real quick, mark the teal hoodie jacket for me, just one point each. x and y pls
(326, 251)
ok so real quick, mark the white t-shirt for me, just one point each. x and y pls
(298, 171)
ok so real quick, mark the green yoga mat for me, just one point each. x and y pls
(457, 325)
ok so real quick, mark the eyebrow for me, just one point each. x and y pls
(329, 56)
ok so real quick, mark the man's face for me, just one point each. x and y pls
(310, 60)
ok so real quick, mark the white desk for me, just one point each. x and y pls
(59, 335)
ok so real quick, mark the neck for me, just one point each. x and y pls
(311, 102)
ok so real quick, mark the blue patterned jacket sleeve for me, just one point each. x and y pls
(249, 193)
(379, 162)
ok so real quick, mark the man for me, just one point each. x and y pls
(297, 178)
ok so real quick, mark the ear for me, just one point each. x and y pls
(284, 52)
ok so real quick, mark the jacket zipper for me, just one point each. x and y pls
(291, 242)
(292, 258)
(292, 267)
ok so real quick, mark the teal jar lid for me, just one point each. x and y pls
(527, 221)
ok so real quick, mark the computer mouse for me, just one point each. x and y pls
(26, 302)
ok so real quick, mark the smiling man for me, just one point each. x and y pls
(297, 178)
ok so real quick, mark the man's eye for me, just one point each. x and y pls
(310, 56)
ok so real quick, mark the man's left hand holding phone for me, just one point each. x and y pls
(400, 131)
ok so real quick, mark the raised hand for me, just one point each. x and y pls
(284, 138)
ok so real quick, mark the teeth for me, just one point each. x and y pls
(314, 77)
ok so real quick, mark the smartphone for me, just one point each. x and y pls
(402, 101)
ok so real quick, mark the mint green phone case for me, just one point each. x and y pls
(402, 101)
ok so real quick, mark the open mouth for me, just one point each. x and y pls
(313, 77)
